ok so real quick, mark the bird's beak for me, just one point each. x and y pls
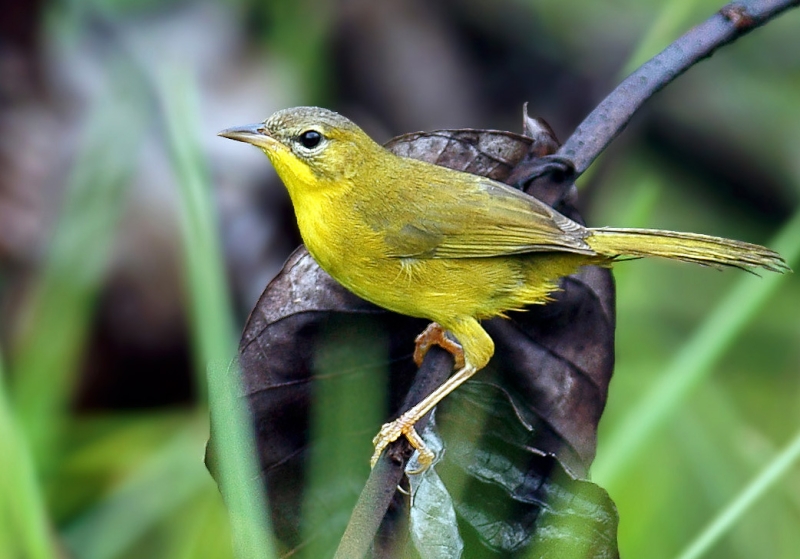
(252, 134)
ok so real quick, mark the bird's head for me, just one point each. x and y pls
(310, 147)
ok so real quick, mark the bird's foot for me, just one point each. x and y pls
(402, 426)
(434, 334)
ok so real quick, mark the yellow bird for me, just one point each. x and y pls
(452, 247)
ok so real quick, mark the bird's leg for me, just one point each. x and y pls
(404, 425)
(434, 334)
(476, 349)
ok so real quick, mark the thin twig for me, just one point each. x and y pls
(615, 111)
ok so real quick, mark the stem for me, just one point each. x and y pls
(382, 484)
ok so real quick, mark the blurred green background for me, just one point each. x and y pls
(105, 332)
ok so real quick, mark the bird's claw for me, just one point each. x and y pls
(434, 334)
(402, 426)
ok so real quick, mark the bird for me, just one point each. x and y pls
(444, 245)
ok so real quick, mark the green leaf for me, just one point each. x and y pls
(24, 524)
(59, 311)
(732, 513)
(213, 324)
(433, 524)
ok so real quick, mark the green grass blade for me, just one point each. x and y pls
(171, 476)
(58, 314)
(348, 390)
(762, 483)
(202, 531)
(721, 451)
(24, 524)
(691, 365)
(213, 325)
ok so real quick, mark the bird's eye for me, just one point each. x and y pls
(310, 139)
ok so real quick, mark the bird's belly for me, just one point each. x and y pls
(444, 289)
(435, 289)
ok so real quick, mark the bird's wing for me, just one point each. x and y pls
(483, 219)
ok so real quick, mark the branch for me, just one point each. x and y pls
(615, 111)
(387, 474)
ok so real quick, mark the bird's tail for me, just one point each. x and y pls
(688, 247)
